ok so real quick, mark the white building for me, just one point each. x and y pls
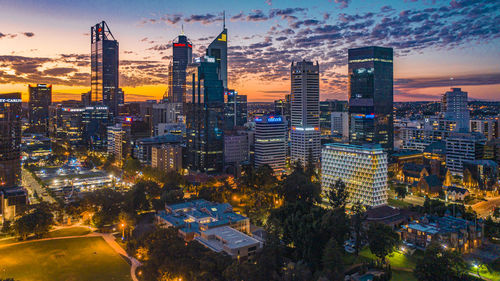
(234, 243)
(340, 124)
(363, 169)
(454, 107)
(462, 147)
(117, 141)
(305, 134)
(270, 142)
(490, 128)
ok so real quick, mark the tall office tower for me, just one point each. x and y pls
(182, 52)
(270, 142)
(40, 98)
(328, 109)
(205, 117)
(463, 147)
(218, 50)
(305, 134)
(370, 89)
(167, 157)
(95, 120)
(282, 107)
(104, 63)
(236, 150)
(10, 140)
(340, 125)
(363, 169)
(235, 109)
(454, 107)
(490, 127)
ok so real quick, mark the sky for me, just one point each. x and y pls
(437, 44)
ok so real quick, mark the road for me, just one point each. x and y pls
(33, 186)
(108, 237)
(484, 208)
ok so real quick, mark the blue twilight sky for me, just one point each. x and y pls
(48, 41)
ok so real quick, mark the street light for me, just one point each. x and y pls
(123, 231)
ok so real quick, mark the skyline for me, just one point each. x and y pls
(440, 39)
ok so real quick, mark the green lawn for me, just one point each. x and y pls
(402, 265)
(483, 271)
(398, 203)
(74, 259)
(72, 231)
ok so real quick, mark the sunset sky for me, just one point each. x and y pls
(48, 42)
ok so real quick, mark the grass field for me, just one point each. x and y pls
(72, 231)
(398, 203)
(75, 259)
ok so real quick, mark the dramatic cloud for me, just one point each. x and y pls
(204, 19)
(462, 80)
(28, 34)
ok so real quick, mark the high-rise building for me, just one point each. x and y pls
(490, 128)
(95, 120)
(282, 107)
(463, 147)
(235, 109)
(104, 61)
(10, 140)
(340, 124)
(454, 107)
(205, 117)
(270, 142)
(218, 50)
(40, 98)
(236, 150)
(167, 157)
(363, 169)
(182, 50)
(332, 117)
(370, 90)
(66, 125)
(305, 133)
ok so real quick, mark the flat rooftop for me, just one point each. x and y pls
(225, 236)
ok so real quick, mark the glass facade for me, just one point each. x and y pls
(235, 109)
(10, 140)
(182, 50)
(205, 117)
(218, 50)
(371, 96)
(40, 98)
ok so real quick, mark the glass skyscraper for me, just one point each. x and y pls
(218, 50)
(371, 96)
(40, 98)
(104, 67)
(182, 50)
(235, 109)
(205, 117)
(10, 140)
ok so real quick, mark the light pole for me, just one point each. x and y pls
(123, 231)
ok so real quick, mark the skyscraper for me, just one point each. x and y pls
(235, 109)
(454, 107)
(305, 134)
(205, 117)
(40, 98)
(104, 63)
(370, 89)
(270, 142)
(218, 50)
(10, 140)
(182, 50)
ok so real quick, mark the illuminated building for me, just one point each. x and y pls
(305, 133)
(235, 109)
(454, 107)
(490, 128)
(182, 50)
(35, 146)
(270, 142)
(40, 98)
(481, 175)
(463, 147)
(370, 93)
(167, 157)
(363, 169)
(143, 147)
(218, 50)
(117, 142)
(104, 60)
(65, 125)
(95, 120)
(10, 139)
(236, 150)
(205, 117)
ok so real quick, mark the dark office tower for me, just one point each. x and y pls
(204, 117)
(40, 98)
(218, 50)
(95, 120)
(235, 109)
(371, 96)
(104, 65)
(305, 134)
(182, 50)
(10, 140)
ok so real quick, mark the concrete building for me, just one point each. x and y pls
(40, 98)
(454, 107)
(167, 157)
(236, 150)
(117, 142)
(305, 131)
(270, 142)
(481, 175)
(234, 243)
(363, 169)
(143, 148)
(488, 127)
(463, 147)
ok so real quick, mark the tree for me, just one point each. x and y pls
(382, 240)
(337, 195)
(299, 187)
(37, 222)
(333, 267)
(440, 264)
(401, 191)
(357, 219)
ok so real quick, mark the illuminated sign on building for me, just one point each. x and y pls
(10, 100)
(274, 119)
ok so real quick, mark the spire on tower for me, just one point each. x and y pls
(224, 19)
(182, 29)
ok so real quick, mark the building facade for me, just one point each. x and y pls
(182, 52)
(95, 120)
(235, 109)
(167, 157)
(218, 50)
(270, 142)
(454, 107)
(305, 131)
(40, 98)
(10, 140)
(463, 147)
(363, 169)
(370, 93)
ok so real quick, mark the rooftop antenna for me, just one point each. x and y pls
(182, 29)
(223, 19)
(451, 82)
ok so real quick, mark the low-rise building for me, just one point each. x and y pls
(226, 239)
(481, 175)
(451, 232)
(454, 193)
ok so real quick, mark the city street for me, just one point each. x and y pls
(485, 208)
(33, 186)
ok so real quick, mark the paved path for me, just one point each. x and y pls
(108, 237)
(33, 186)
